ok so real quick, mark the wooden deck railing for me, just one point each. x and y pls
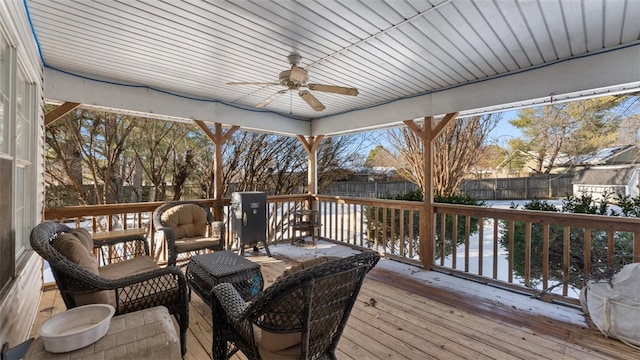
(522, 249)
(351, 221)
(100, 218)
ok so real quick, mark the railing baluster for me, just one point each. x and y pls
(467, 227)
(510, 249)
(454, 242)
(376, 227)
(636, 246)
(610, 244)
(527, 254)
(443, 239)
(361, 207)
(545, 256)
(403, 251)
(411, 234)
(341, 221)
(392, 245)
(566, 258)
(480, 244)
(496, 224)
(349, 224)
(586, 247)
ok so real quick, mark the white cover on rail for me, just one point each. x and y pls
(614, 306)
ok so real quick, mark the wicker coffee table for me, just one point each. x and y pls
(208, 270)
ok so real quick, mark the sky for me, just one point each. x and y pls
(505, 131)
(500, 135)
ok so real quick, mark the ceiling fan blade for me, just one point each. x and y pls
(270, 99)
(334, 89)
(253, 83)
(311, 100)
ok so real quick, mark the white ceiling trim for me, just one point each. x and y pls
(610, 71)
(152, 103)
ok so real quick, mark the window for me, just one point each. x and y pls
(24, 110)
(23, 204)
(7, 253)
(18, 138)
(4, 95)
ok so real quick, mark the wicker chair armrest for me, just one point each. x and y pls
(171, 275)
(130, 247)
(169, 233)
(231, 301)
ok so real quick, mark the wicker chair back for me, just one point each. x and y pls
(310, 306)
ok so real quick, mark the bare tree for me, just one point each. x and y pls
(455, 151)
(572, 128)
(272, 163)
(86, 147)
(155, 146)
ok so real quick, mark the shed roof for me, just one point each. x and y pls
(606, 175)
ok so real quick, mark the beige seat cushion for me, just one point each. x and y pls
(277, 346)
(195, 243)
(306, 264)
(187, 220)
(134, 266)
(285, 346)
(77, 246)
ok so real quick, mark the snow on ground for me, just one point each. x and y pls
(489, 293)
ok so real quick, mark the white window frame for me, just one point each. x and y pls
(8, 54)
(23, 198)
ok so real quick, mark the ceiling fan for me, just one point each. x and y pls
(295, 79)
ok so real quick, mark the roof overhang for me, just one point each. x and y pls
(408, 59)
(609, 72)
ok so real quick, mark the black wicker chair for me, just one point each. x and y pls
(188, 228)
(136, 291)
(301, 316)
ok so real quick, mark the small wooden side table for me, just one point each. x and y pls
(115, 234)
(145, 334)
(306, 221)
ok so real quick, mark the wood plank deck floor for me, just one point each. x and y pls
(411, 320)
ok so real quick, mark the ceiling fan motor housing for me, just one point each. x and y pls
(296, 77)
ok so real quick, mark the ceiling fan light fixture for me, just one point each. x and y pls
(298, 75)
(292, 81)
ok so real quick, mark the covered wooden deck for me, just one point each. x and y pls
(399, 318)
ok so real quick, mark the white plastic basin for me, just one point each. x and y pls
(76, 328)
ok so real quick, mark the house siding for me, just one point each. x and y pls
(20, 298)
(597, 180)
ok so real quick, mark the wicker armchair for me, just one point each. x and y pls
(129, 279)
(301, 316)
(188, 227)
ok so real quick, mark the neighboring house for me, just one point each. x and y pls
(613, 155)
(611, 179)
(612, 170)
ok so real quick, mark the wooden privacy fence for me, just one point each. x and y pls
(522, 249)
(368, 189)
(539, 187)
